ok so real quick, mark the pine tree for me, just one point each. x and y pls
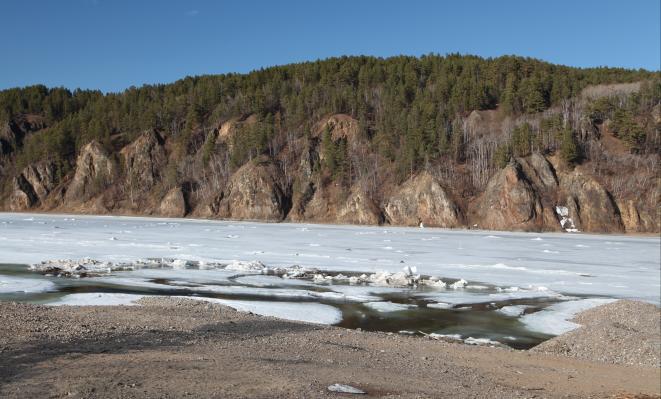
(568, 147)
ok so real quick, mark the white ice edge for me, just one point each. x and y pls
(555, 319)
(96, 299)
(307, 312)
(11, 284)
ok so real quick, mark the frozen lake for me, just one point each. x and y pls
(519, 287)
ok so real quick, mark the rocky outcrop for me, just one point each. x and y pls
(539, 172)
(340, 126)
(630, 216)
(32, 186)
(256, 192)
(228, 129)
(144, 160)
(13, 132)
(173, 204)
(509, 202)
(358, 209)
(422, 200)
(590, 206)
(94, 171)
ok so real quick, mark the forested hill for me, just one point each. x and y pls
(401, 140)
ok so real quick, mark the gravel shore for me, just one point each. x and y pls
(173, 348)
(623, 332)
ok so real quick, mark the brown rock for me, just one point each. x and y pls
(173, 204)
(255, 192)
(509, 202)
(144, 160)
(422, 200)
(629, 215)
(590, 205)
(539, 171)
(340, 126)
(32, 186)
(94, 171)
(358, 209)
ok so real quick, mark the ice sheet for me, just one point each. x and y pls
(10, 284)
(308, 312)
(97, 299)
(581, 264)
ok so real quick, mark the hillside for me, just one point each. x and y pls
(458, 141)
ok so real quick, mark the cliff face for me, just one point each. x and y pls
(510, 202)
(422, 200)
(31, 187)
(255, 192)
(94, 171)
(529, 194)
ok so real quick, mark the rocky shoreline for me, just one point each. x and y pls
(171, 348)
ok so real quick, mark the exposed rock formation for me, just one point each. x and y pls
(173, 204)
(630, 216)
(422, 200)
(228, 129)
(358, 209)
(31, 187)
(509, 202)
(340, 126)
(256, 192)
(144, 160)
(590, 206)
(94, 171)
(539, 171)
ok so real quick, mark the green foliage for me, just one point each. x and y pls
(626, 128)
(208, 147)
(407, 106)
(522, 138)
(503, 155)
(569, 151)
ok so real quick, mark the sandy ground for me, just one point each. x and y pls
(171, 348)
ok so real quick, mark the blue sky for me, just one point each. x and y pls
(113, 44)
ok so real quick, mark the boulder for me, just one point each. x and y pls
(144, 160)
(590, 206)
(94, 171)
(509, 202)
(256, 192)
(173, 204)
(422, 200)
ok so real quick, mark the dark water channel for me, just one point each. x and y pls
(477, 320)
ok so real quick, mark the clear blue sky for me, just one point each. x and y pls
(113, 44)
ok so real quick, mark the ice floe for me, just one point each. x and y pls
(388, 306)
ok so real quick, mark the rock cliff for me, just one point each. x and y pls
(422, 200)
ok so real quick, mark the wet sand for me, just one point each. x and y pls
(173, 348)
